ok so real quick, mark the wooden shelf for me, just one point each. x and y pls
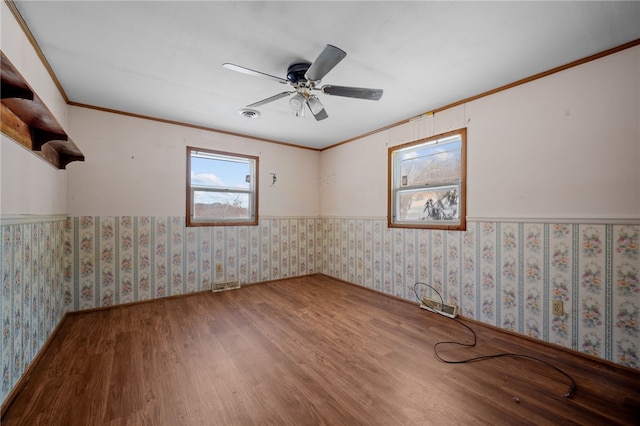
(26, 119)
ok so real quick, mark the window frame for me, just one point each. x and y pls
(253, 191)
(394, 187)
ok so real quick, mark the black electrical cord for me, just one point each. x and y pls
(569, 392)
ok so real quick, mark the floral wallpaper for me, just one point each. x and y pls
(32, 301)
(502, 273)
(126, 259)
(507, 275)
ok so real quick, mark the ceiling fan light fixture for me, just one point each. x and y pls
(315, 105)
(297, 102)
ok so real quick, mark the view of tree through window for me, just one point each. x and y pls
(221, 188)
(427, 181)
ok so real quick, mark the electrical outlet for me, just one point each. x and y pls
(218, 268)
(557, 307)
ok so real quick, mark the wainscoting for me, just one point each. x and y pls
(505, 274)
(32, 267)
(126, 259)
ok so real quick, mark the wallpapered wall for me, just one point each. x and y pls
(126, 259)
(32, 303)
(501, 273)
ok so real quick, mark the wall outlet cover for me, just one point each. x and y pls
(557, 307)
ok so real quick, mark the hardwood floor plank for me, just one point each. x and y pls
(305, 351)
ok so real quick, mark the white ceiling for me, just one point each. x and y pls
(163, 59)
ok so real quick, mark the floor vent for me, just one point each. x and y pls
(445, 309)
(223, 286)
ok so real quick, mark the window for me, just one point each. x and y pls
(222, 188)
(427, 183)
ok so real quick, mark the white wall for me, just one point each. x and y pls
(563, 147)
(353, 179)
(28, 184)
(138, 167)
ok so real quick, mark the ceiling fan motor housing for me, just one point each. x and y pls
(296, 72)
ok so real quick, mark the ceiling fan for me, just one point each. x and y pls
(304, 78)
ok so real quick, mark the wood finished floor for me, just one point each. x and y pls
(304, 351)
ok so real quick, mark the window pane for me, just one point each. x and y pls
(433, 204)
(427, 183)
(431, 164)
(220, 205)
(221, 188)
(219, 172)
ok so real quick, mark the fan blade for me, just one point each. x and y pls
(325, 62)
(353, 92)
(238, 68)
(270, 99)
(319, 115)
